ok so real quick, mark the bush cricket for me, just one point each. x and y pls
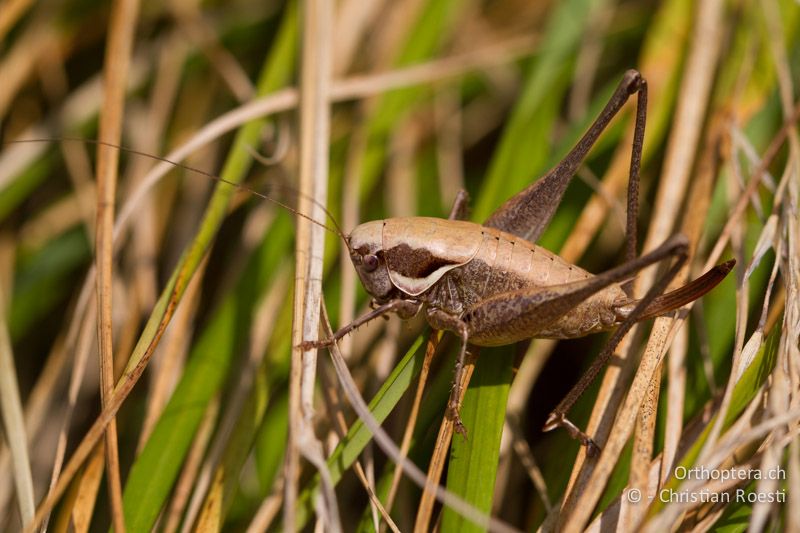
(491, 285)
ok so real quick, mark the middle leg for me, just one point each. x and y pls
(438, 319)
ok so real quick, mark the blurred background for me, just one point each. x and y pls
(427, 97)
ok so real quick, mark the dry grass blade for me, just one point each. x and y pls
(12, 11)
(683, 143)
(314, 139)
(35, 412)
(699, 200)
(756, 178)
(80, 513)
(13, 422)
(122, 27)
(727, 234)
(643, 437)
(430, 350)
(267, 511)
(84, 343)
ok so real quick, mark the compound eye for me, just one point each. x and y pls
(370, 262)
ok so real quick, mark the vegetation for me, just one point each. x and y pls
(174, 311)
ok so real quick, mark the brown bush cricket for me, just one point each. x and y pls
(491, 285)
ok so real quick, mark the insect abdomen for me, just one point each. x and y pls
(505, 264)
(515, 263)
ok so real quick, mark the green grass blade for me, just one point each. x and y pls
(474, 460)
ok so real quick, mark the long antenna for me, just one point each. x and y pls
(337, 231)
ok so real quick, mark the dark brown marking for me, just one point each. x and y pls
(414, 262)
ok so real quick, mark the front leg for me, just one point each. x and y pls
(439, 319)
(404, 308)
